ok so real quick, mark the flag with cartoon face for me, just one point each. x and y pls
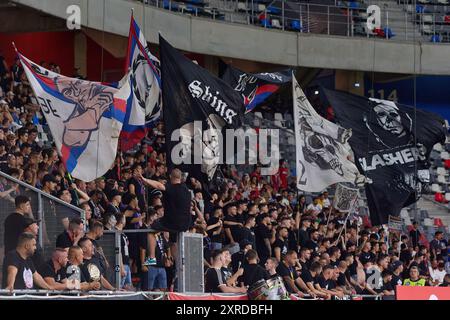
(85, 119)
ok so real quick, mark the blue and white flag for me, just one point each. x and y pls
(145, 101)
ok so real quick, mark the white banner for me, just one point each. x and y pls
(321, 148)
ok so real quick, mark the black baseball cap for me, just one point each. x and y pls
(29, 221)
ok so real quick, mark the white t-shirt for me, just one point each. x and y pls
(437, 275)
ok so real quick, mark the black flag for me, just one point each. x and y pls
(256, 87)
(198, 107)
(392, 144)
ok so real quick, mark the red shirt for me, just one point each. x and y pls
(283, 173)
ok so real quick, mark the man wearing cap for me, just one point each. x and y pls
(397, 269)
(32, 226)
(15, 223)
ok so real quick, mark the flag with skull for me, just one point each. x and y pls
(391, 143)
(198, 107)
(322, 148)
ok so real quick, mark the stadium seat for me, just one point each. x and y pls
(388, 32)
(438, 197)
(447, 196)
(441, 171)
(445, 155)
(447, 164)
(435, 188)
(435, 38)
(296, 25)
(266, 23)
(276, 24)
(242, 6)
(419, 8)
(273, 10)
(353, 5)
(441, 179)
(423, 1)
(443, 2)
(261, 7)
(291, 140)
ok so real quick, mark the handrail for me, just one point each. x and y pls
(49, 196)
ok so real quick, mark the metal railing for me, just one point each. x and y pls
(51, 212)
(401, 22)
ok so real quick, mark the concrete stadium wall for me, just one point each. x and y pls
(210, 37)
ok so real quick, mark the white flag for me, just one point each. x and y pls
(85, 119)
(321, 148)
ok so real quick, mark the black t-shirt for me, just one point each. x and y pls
(213, 279)
(306, 276)
(292, 240)
(38, 256)
(47, 271)
(261, 233)
(365, 257)
(235, 229)
(282, 244)
(226, 273)
(253, 273)
(341, 281)
(177, 207)
(64, 241)
(247, 234)
(14, 226)
(396, 281)
(321, 281)
(285, 271)
(387, 286)
(25, 270)
(218, 237)
(331, 284)
(139, 190)
(238, 260)
(91, 269)
(303, 237)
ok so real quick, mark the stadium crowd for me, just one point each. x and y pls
(254, 227)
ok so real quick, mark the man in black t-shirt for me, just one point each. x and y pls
(263, 236)
(246, 233)
(177, 212)
(54, 271)
(397, 270)
(214, 281)
(253, 272)
(71, 236)
(15, 223)
(91, 265)
(232, 224)
(280, 246)
(215, 225)
(18, 268)
(287, 270)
